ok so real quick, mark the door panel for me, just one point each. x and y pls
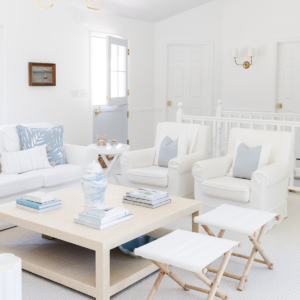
(289, 77)
(187, 79)
(113, 122)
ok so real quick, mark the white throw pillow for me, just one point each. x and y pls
(168, 149)
(25, 161)
(246, 160)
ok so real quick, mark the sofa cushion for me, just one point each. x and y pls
(11, 184)
(227, 188)
(153, 175)
(59, 175)
(9, 137)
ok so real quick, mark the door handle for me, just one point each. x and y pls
(97, 111)
(169, 103)
(279, 105)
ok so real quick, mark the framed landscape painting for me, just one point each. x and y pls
(42, 74)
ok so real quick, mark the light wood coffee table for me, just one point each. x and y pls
(82, 258)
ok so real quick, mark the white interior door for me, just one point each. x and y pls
(117, 69)
(289, 77)
(187, 80)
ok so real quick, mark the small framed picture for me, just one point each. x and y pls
(42, 74)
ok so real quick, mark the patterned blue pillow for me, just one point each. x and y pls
(53, 137)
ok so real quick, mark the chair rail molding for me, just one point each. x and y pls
(3, 117)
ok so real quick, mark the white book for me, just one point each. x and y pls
(39, 197)
(95, 215)
(147, 205)
(39, 211)
(153, 202)
(147, 194)
(103, 226)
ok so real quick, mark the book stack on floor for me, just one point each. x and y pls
(38, 202)
(147, 198)
(103, 217)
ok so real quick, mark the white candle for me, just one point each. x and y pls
(251, 52)
(235, 53)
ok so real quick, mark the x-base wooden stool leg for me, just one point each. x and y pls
(214, 290)
(251, 258)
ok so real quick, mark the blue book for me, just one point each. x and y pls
(36, 205)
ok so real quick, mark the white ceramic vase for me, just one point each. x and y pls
(94, 184)
(10, 277)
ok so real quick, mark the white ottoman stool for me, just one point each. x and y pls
(241, 220)
(190, 251)
(10, 277)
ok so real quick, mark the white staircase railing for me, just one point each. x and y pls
(221, 127)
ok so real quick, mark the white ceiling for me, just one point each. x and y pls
(146, 10)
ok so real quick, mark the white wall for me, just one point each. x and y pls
(53, 36)
(2, 79)
(203, 23)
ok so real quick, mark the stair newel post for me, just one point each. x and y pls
(179, 113)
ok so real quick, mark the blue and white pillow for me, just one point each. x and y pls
(53, 137)
(168, 149)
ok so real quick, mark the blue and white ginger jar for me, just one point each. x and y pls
(94, 184)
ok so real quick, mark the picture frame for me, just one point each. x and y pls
(42, 74)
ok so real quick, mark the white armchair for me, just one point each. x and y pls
(267, 190)
(139, 169)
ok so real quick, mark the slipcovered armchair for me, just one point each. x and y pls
(140, 170)
(267, 190)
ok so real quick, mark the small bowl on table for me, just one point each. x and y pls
(113, 143)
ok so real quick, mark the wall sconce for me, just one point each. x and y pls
(246, 64)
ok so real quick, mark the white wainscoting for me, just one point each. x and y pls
(142, 127)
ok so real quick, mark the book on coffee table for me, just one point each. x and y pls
(39, 211)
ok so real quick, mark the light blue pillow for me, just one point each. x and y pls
(53, 137)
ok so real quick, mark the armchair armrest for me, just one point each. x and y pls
(80, 155)
(185, 163)
(272, 174)
(212, 168)
(137, 159)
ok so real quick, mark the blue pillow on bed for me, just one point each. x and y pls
(53, 137)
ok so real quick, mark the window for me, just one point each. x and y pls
(109, 70)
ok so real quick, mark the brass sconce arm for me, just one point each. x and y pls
(94, 8)
(246, 64)
(42, 7)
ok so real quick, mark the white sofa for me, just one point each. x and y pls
(13, 186)
(139, 169)
(267, 190)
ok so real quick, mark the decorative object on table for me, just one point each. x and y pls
(147, 198)
(94, 184)
(102, 162)
(10, 277)
(181, 249)
(101, 218)
(53, 137)
(113, 143)
(38, 202)
(41, 74)
(233, 218)
(129, 247)
(24, 161)
(101, 140)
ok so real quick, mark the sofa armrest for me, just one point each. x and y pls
(137, 159)
(272, 174)
(212, 168)
(80, 155)
(185, 163)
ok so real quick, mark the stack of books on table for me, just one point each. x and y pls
(147, 198)
(103, 217)
(38, 202)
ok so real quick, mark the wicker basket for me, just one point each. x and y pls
(102, 162)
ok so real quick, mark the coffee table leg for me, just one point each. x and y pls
(195, 226)
(102, 273)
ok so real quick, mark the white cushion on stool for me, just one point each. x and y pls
(236, 219)
(187, 250)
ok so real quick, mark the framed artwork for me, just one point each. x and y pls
(42, 74)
